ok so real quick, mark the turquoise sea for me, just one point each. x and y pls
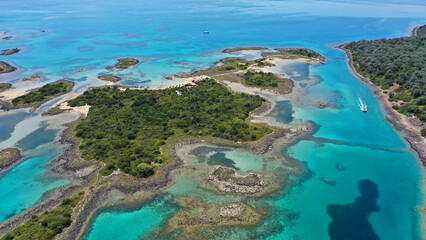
(376, 194)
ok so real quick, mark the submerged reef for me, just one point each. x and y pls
(228, 180)
(199, 214)
(33, 77)
(109, 78)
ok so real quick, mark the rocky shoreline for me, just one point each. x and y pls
(124, 63)
(83, 175)
(162, 179)
(10, 51)
(416, 141)
(6, 67)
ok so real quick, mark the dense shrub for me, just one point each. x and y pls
(47, 225)
(261, 79)
(125, 129)
(42, 93)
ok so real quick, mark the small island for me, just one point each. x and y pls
(109, 78)
(239, 49)
(38, 96)
(8, 157)
(10, 51)
(6, 67)
(124, 63)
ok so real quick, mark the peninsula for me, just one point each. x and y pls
(395, 69)
(37, 97)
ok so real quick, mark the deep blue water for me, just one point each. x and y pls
(167, 36)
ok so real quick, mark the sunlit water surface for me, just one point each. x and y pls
(167, 37)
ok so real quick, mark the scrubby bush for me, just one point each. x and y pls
(133, 131)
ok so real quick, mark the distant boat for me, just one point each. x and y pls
(206, 32)
(364, 108)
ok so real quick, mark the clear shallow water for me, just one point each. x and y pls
(132, 224)
(93, 36)
(24, 185)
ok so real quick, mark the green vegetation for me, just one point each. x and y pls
(424, 132)
(401, 61)
(226, 68)
(261, 79)
(240, 64)
(9, 154)
(409, 108)
(44, 93)
(124, 63)
(4, 86)
(47, 225)
(125, 129)
(10, 51)
(301, 52)
(238, 49)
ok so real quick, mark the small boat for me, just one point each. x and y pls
(206, 32)
(364, 108)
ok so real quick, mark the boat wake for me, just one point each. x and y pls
(362, 105)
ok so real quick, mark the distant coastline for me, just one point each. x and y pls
(398, 120)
